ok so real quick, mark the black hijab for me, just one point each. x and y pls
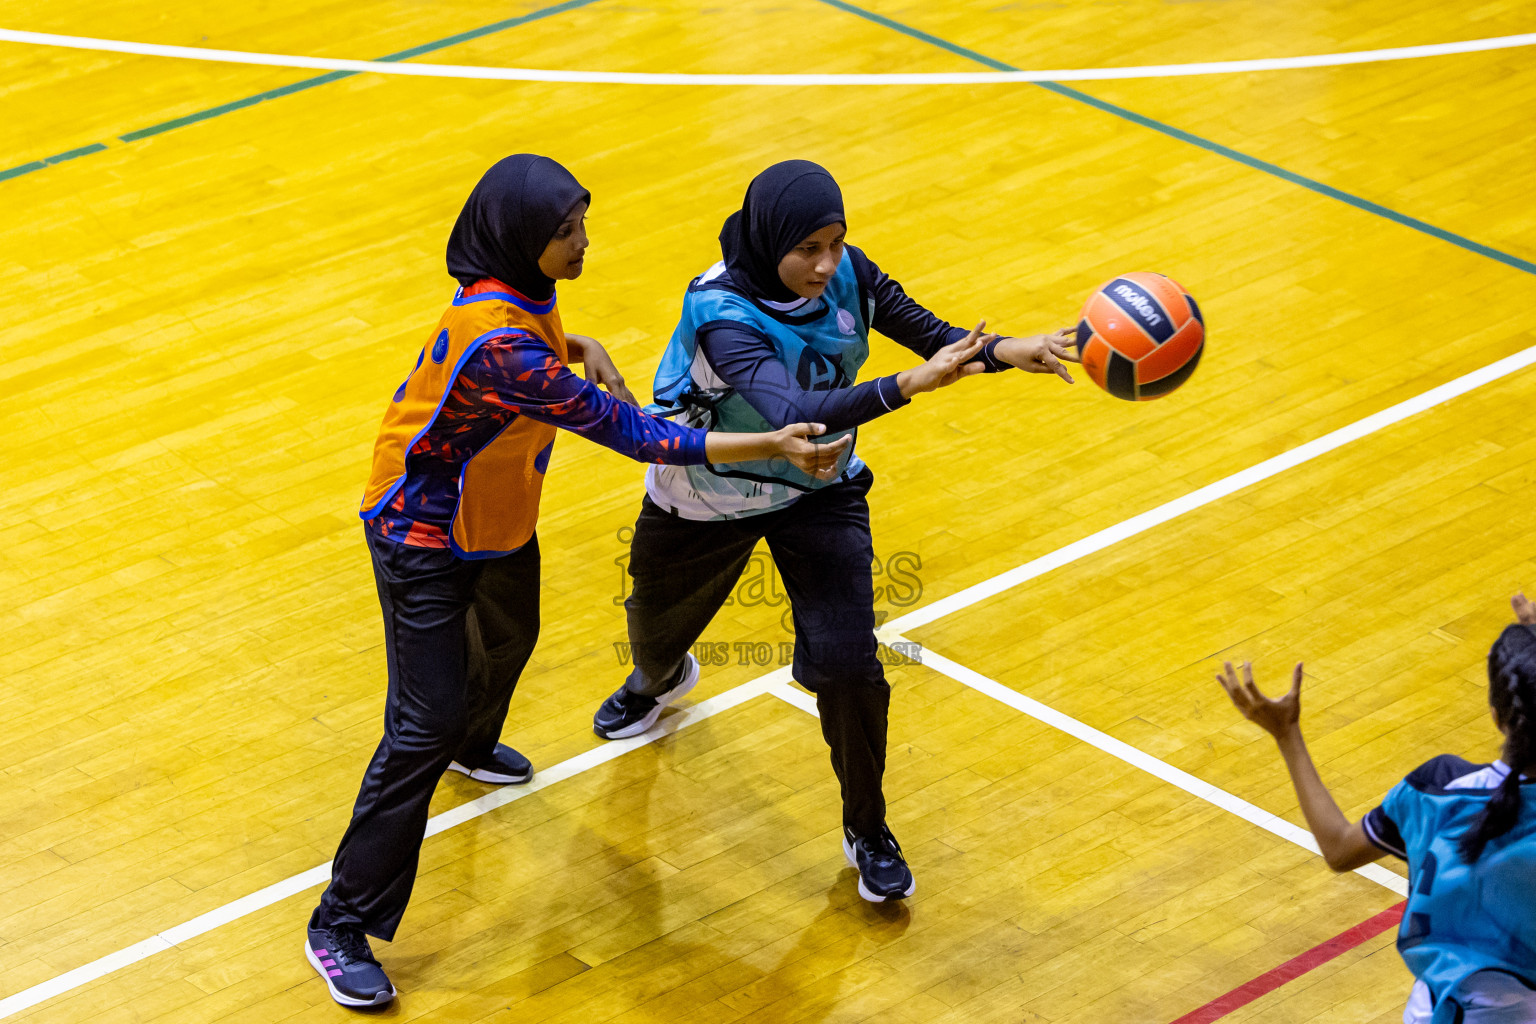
(508, 221)
(784, 204)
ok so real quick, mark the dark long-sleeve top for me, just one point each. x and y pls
(745, 360)
(508, 377)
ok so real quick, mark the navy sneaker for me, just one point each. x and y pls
(342, 957)
(883, 872)
(629, 714)
(506, 767)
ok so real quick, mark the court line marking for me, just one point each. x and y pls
(1253, 989)
(293, 87)
(773, 682)
(319, 875)
(475, 71)
(794, 696)
(1276, 170)
(1137, 758)
(1203, 496)
(768, 683)
(1133, 756)
(1295, 967)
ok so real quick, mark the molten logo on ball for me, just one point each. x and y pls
(1140, 336)
(1141, 302)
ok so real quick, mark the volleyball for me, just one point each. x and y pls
(1140, 336)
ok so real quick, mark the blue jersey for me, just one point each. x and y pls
(1461, 918)
(821, 349)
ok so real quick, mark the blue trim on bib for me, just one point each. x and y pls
(469, 350)
(520, 301)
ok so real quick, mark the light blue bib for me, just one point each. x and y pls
(823, 349)
(1463, 918)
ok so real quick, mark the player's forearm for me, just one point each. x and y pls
(915, 381)
(728, 447)
(1011, 351)
(1329, 827)
(746, 362)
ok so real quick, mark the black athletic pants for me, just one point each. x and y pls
(458, 633)
(684, 569)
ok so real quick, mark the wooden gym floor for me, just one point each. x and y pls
(202, 323)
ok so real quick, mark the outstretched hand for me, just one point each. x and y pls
(1276, 717)
(1345, 845)
(1042, 353)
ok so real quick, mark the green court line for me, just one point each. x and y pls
(290, 89)
(16, 172)
(37, 165)
(240, 104)
(1319, 187)
(94, 147)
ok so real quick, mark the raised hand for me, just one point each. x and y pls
(1277, 717)
(1525, 611)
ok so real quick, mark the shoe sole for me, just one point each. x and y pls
(864, 891)
(486, 775)
(681, 689)
(343, 999)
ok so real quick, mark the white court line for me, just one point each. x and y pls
(794, 696)
(1211, 492)
(1139, 759)
(321, 874)
(1132, 756)
(775, 682)
(1223, 67)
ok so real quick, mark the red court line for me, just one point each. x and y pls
(1295, 968)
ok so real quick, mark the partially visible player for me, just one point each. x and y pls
(449, 514)
(1467, 831)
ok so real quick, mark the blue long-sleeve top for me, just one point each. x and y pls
(745, 360)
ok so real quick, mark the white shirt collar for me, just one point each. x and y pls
(785, 307)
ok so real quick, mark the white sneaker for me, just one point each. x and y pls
(506, 767)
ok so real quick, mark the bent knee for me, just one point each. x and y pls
(438, 731)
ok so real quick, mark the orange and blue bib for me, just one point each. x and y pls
(499, 478)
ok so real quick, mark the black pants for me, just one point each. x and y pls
(458, 633)
(684, 569)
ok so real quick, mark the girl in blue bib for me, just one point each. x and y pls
(776, 333)
(1467, 831)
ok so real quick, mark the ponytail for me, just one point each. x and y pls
(1512, 692)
